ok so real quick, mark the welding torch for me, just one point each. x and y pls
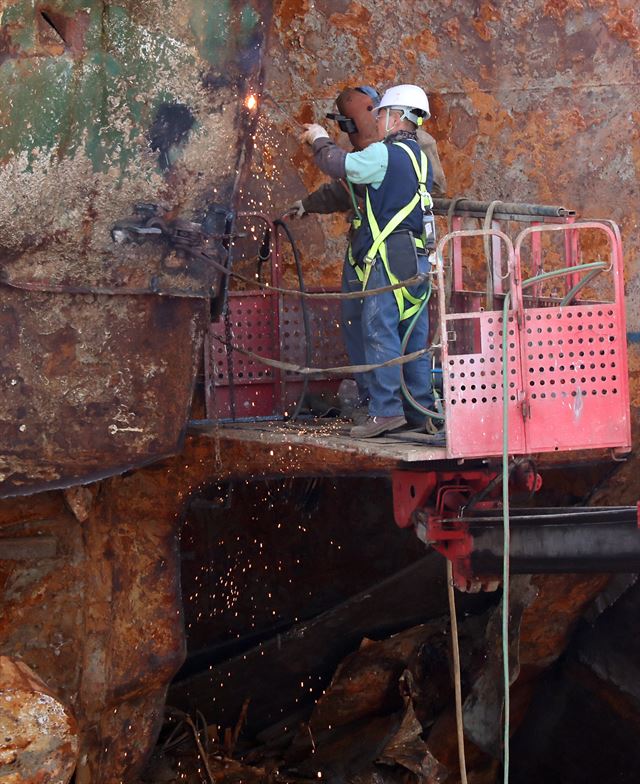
(252, 102)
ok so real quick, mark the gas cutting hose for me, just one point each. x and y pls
(591, 268)
(279, 223)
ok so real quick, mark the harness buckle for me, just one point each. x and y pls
(369, 260)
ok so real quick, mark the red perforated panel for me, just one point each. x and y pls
(473, 386)
(567, 365)
(573, 378)
(253, 328)
(327, 346)
(257, 391)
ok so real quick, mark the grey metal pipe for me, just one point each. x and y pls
(511, 210)
(552, 541)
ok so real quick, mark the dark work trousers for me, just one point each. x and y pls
(382, 335)
(351, 324)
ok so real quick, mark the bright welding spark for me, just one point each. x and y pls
(251, 102)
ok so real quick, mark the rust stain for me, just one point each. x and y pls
(8, 49)
(355, 20)
(452, 28)
(620, 22)
(485, 14)
(54, 25)
(286, 11)
(424, 42)
(558, 9)
(576, 120)
(548, 621)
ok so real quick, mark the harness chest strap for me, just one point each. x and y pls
(426, 202)
(379, 236)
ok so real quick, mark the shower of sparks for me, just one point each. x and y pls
(251, 102)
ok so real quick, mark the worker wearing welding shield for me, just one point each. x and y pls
(389, 246)
(356, 116)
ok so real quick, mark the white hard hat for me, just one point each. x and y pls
(411, 99)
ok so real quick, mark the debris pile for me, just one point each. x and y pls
(385, 713)
(368, 725)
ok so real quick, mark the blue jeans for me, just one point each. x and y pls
(351, 324)
(382, 335)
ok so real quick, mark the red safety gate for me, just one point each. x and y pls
(566, 366)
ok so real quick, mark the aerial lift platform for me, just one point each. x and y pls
(529, 341)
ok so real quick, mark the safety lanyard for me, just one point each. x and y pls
(357, 221)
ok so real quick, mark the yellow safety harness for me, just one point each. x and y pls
(408, 305)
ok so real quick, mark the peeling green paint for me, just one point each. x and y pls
(210, 28)
(103, 97)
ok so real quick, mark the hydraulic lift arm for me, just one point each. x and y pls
(447, 515)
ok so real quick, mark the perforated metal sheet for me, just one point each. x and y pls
(327, 345)
(253, 328)
(257, 388)
(573, 380)
(473, 386)
(327, 348)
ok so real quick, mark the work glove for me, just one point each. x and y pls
(297, 210)
(313, 131)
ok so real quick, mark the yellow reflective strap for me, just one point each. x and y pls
(416, 302)
(354, 203)
(379, 247)
(397, 293)
(412, 157)
(411, 298)
(380, 236)
(421, 173)
(354, 264)
(411, 311)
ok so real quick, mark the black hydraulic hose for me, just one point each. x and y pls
(305, 315)
(264, 252)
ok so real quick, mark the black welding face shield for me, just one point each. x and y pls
(355, 115)
(346, 124)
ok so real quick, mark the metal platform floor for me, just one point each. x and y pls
(403, 446)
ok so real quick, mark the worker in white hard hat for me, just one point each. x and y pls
(356, 117)
(390, 246)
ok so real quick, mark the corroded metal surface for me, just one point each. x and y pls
(103, 106)
(99, 618)
(89, 385)
(39, 734)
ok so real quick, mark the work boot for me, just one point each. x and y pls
(352, 406)
(425, 424)
(434, 429)
(377, 425)
(359, 415)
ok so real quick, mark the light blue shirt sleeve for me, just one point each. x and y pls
(368, 166)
